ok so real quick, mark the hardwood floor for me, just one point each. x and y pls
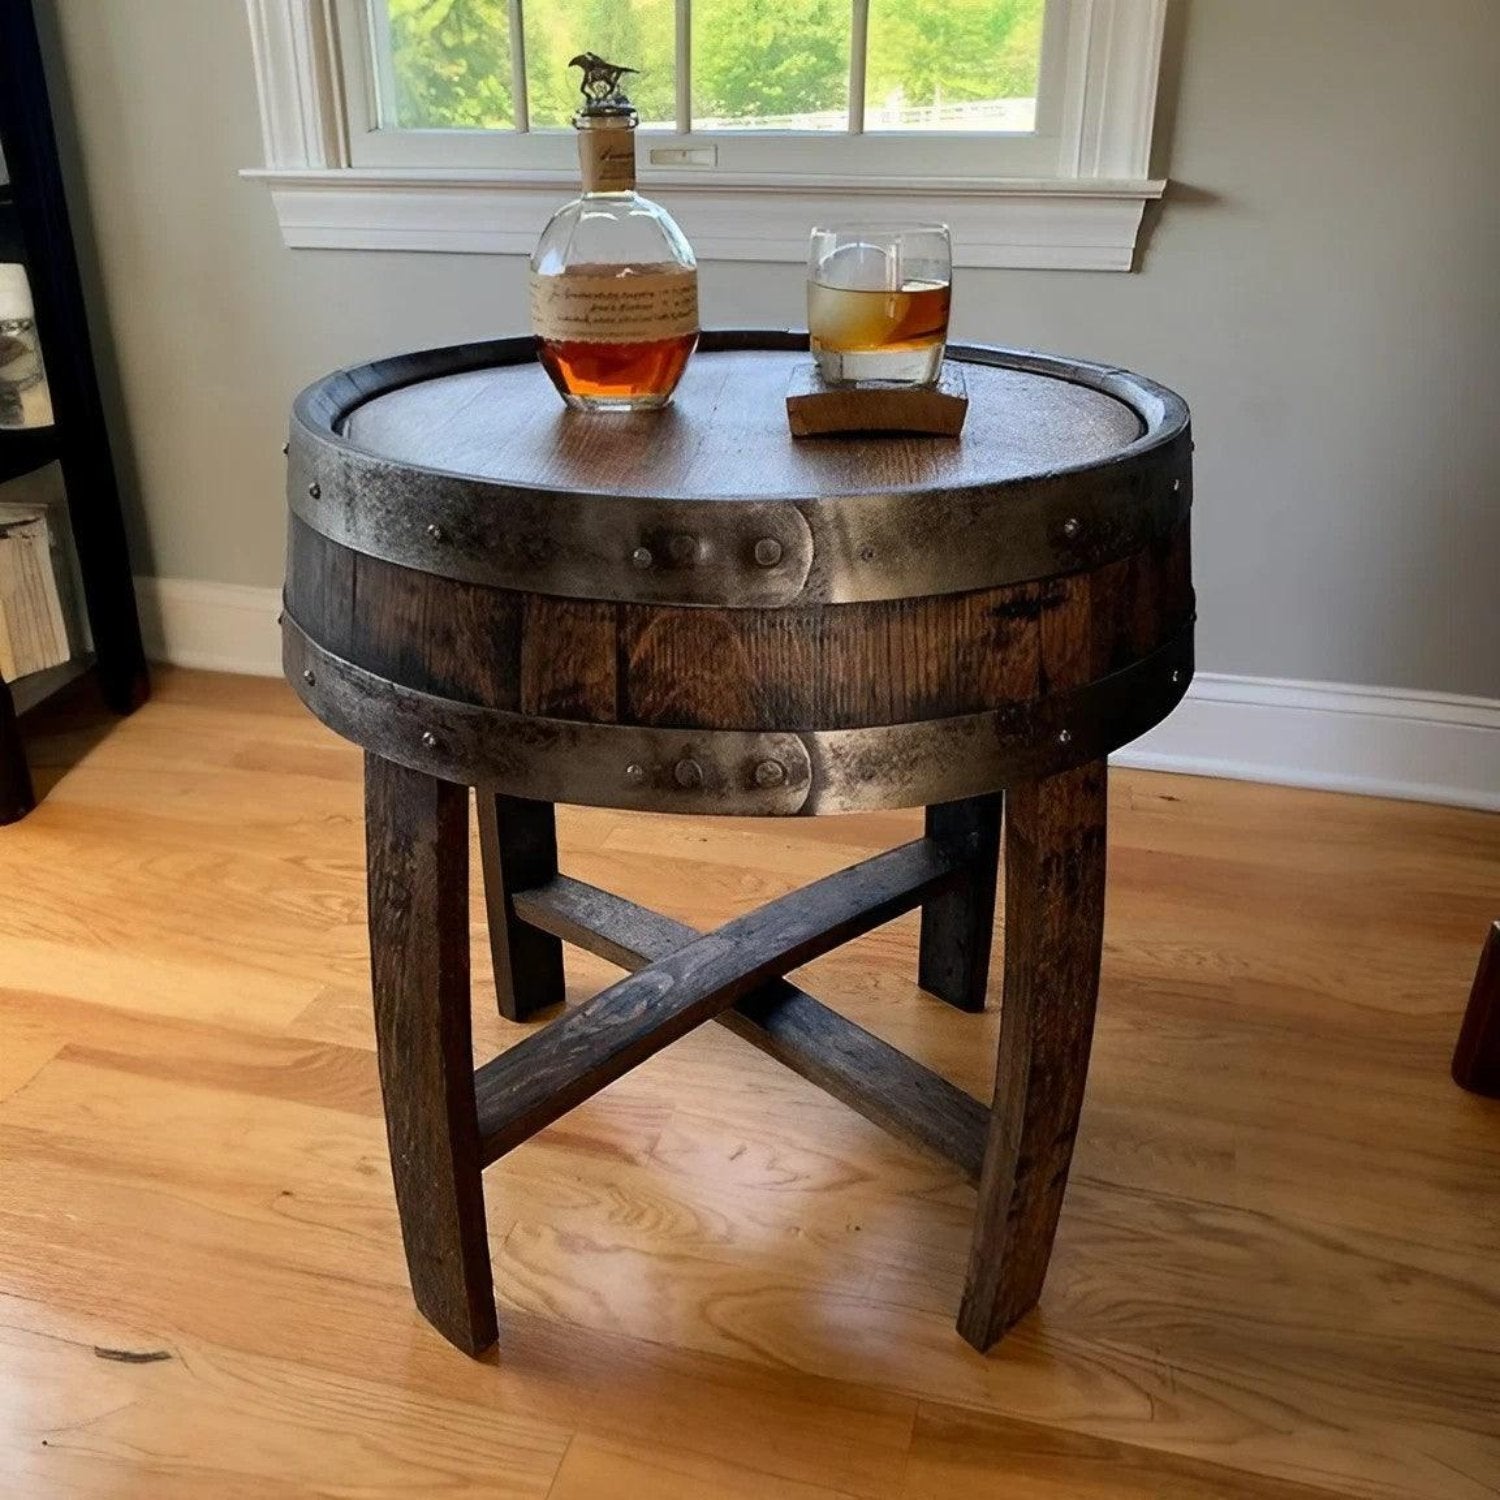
(1277, 1276)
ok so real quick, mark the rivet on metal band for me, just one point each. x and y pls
(315, 490)
(769, 773)
(641, 557)
(767, 552)
(429, 740)
(688, 774)
(635, 773)
(436, 532)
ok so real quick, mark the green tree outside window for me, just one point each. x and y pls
(752, 59)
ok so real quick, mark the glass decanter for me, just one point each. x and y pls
(614, 284)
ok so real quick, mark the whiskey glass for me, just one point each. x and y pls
(877, 302)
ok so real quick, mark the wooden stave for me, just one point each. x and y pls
(1084, 665)
(634, 768)
(796, 669)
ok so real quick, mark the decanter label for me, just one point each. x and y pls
(614, 309)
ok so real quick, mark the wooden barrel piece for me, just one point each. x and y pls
(687, 611)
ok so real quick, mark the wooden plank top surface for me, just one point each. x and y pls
(725, 434)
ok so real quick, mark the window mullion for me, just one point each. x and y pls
(859, 32)
(385, 111)
(519, 105)
(684, 66)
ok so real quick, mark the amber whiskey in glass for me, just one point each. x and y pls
(877, 302)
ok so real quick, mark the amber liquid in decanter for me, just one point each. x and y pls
(640, 372)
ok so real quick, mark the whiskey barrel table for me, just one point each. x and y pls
(689, 612)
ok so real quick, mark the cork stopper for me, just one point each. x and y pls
(606, 154)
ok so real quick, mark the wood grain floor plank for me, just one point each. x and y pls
(957, 1453)
(1278, 1268)
(101, 1403)
(24, 1057)
(594, 1468)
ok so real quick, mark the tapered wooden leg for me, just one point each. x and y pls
(16, 796)
(417, 841)
(1054, 921)
(958, 926)
(518, 847)
(1476, 1059)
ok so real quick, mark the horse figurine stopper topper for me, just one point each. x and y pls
(601, 81)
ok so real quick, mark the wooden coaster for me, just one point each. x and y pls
(815, 409)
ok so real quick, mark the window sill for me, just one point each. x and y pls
(1057, 224)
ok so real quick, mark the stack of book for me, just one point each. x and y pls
(33, 625)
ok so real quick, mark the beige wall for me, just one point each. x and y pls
(1322, 286)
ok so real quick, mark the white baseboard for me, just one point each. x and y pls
(219, 627)
(1380, 742)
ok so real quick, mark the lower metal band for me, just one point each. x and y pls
(742, 773)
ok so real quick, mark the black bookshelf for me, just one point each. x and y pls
(35, 229)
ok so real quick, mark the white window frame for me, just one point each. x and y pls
(727, 155)
(339, 182)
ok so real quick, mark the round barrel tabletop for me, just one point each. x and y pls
(690, 609)
(725, 434)
(1061, 465)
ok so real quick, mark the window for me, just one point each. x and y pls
(833, 87)
(444, 124)
(783, 65)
